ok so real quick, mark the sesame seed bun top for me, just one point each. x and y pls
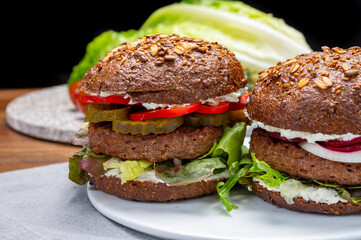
(318, 92)
(167, 69)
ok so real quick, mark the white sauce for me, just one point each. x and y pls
(310, 137)
(150, 175)
(231, 97)
(293, 188)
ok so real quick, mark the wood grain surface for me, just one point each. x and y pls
(18, 151)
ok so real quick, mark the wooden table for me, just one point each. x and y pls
(18, 151)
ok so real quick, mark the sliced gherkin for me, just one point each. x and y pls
(102, 106)
(154, 125)
(239, 116)
(95, 116)
(200, 119)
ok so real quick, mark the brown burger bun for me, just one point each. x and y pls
(318, 92)
(148, 191)
(167, 69)
(305, 206)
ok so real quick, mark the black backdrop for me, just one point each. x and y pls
(44, 41)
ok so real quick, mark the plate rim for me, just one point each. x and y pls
(164, 234)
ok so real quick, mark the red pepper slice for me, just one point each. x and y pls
(220, 108)
(170, 112)
(241, 104)
(76, 96)
(109, 99)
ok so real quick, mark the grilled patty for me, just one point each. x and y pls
(290, 158)
(185, 142)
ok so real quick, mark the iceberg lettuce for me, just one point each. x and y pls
(258, 39)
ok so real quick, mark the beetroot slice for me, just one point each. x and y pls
(338, 143)
(278, 136)
(350, 148)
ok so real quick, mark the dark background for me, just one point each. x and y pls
(44, 42)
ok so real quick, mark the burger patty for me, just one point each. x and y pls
(290, 158)
(185, 142)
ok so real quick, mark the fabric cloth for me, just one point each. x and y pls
(42, 203)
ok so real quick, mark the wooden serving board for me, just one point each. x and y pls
(47, 114)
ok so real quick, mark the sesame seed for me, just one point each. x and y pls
(179, 50)
(325, 73)
(203, 59)
(303, 82)
(344, 66)
(263, 75)
(122, 61)
(327, 81)
(153, 49)
(319, 83)
(289, 62)
(350, 73)
(294, 68)
(169, 58)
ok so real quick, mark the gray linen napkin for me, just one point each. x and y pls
(41, 203)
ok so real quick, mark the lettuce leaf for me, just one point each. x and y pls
(194, 171)
(249, 167)
(130, 169)
(76, 173)
(259, 40)
(97, 49)
(346, 192)
(226, 153)
(230, 145)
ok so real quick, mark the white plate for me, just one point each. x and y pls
(206, 218)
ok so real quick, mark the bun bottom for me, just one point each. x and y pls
(147, 191)
(305, 206)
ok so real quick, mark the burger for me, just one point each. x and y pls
(162, 115)
(306, 150)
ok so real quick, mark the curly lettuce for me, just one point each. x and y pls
(250, 167)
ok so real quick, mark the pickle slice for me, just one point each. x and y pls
(101, 107)
(95, 116)
(199, 119)
(154, 125)
(239, 116)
